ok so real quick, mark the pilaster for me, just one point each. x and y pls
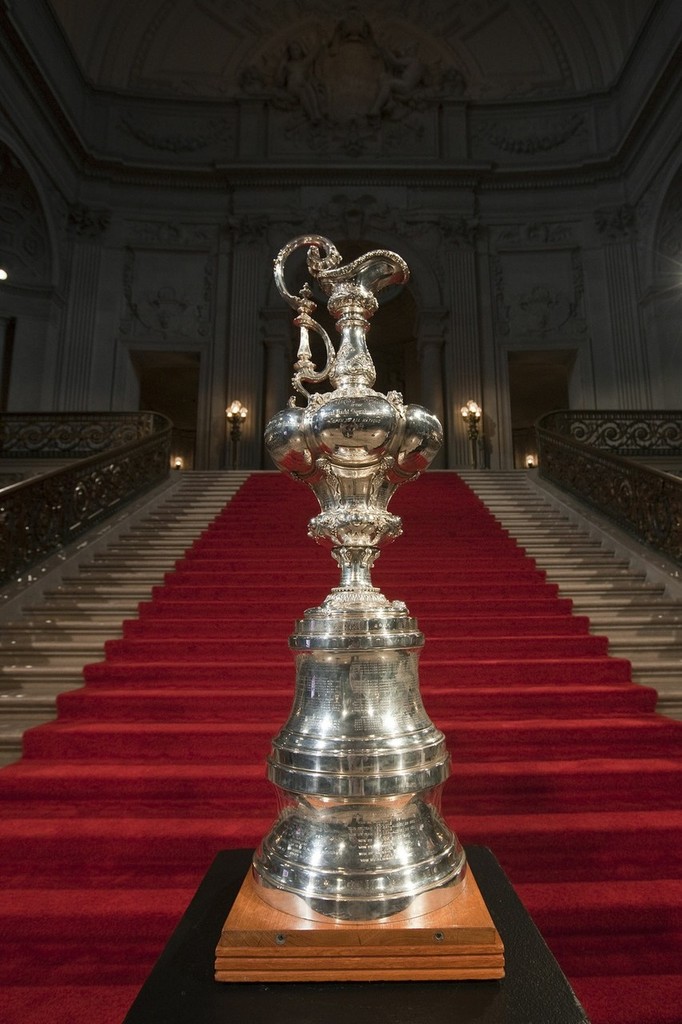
(87, 228)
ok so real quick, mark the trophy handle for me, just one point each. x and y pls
(305, 306)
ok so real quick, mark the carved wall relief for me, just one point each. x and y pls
(539, 295)
(345, 88)
(433, 233)
(179, 135)
(167, 294)
(518, 138)
(86, 223)
(615, 223)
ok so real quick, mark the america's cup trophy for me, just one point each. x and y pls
(359, 767)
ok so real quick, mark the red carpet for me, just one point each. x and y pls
(560, 763)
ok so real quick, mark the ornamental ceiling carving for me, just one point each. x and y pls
(337, 62)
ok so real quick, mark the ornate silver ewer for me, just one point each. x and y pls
(359, 766)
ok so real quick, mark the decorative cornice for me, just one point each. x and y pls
(533, 235)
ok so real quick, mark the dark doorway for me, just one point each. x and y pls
(393, 347)
(169, 384)
(539, 382)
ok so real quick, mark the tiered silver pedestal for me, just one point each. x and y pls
(359, 767)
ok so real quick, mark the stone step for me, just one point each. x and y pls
(635, 616)
(132, 556)
(643, 630)
(115, 605)
(576, 587)
(24, 645)
(647, 650)
(45, 679)
(637, 599)
(103, 621)
(96, 591)
(94, 576)
(27, 705)
(604, 573)
(578, 560)
(73, 660)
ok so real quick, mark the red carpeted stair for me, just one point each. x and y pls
(560, 763)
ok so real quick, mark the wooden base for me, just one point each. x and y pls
(460, 941)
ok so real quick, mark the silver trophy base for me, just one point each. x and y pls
(359, 769)
(360, 862)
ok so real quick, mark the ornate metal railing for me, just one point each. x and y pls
(41, 515)
(591, 455)
(65, 435)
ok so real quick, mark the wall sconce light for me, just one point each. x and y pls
(178, 462)
(471, 414)
(3, 274)
(530, 461)
(236, 413)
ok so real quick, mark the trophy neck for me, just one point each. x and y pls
(353, 366)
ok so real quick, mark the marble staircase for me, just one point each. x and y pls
(51, 629)
(630, 595)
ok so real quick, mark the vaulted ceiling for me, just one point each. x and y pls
(496, 49)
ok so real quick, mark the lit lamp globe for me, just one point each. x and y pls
(235, 413)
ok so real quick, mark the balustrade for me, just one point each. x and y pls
(116, 457)
(597, 456)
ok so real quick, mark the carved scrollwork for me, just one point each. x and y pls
(532, 136)
(174, 140)
(339, 83)
(84, 222)
(171, 308)
(616, 223)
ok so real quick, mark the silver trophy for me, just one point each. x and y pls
(359, 766)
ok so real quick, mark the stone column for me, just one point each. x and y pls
(87, 228)
(244, 364)
(463, 360)
(616, 227)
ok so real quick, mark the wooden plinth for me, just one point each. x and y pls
(259, 943)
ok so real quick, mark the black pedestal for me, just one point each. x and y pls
(181, 988)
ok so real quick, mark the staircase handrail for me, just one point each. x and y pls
(591, 455)
(651, 433)
(63, 435)
(43, 514)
